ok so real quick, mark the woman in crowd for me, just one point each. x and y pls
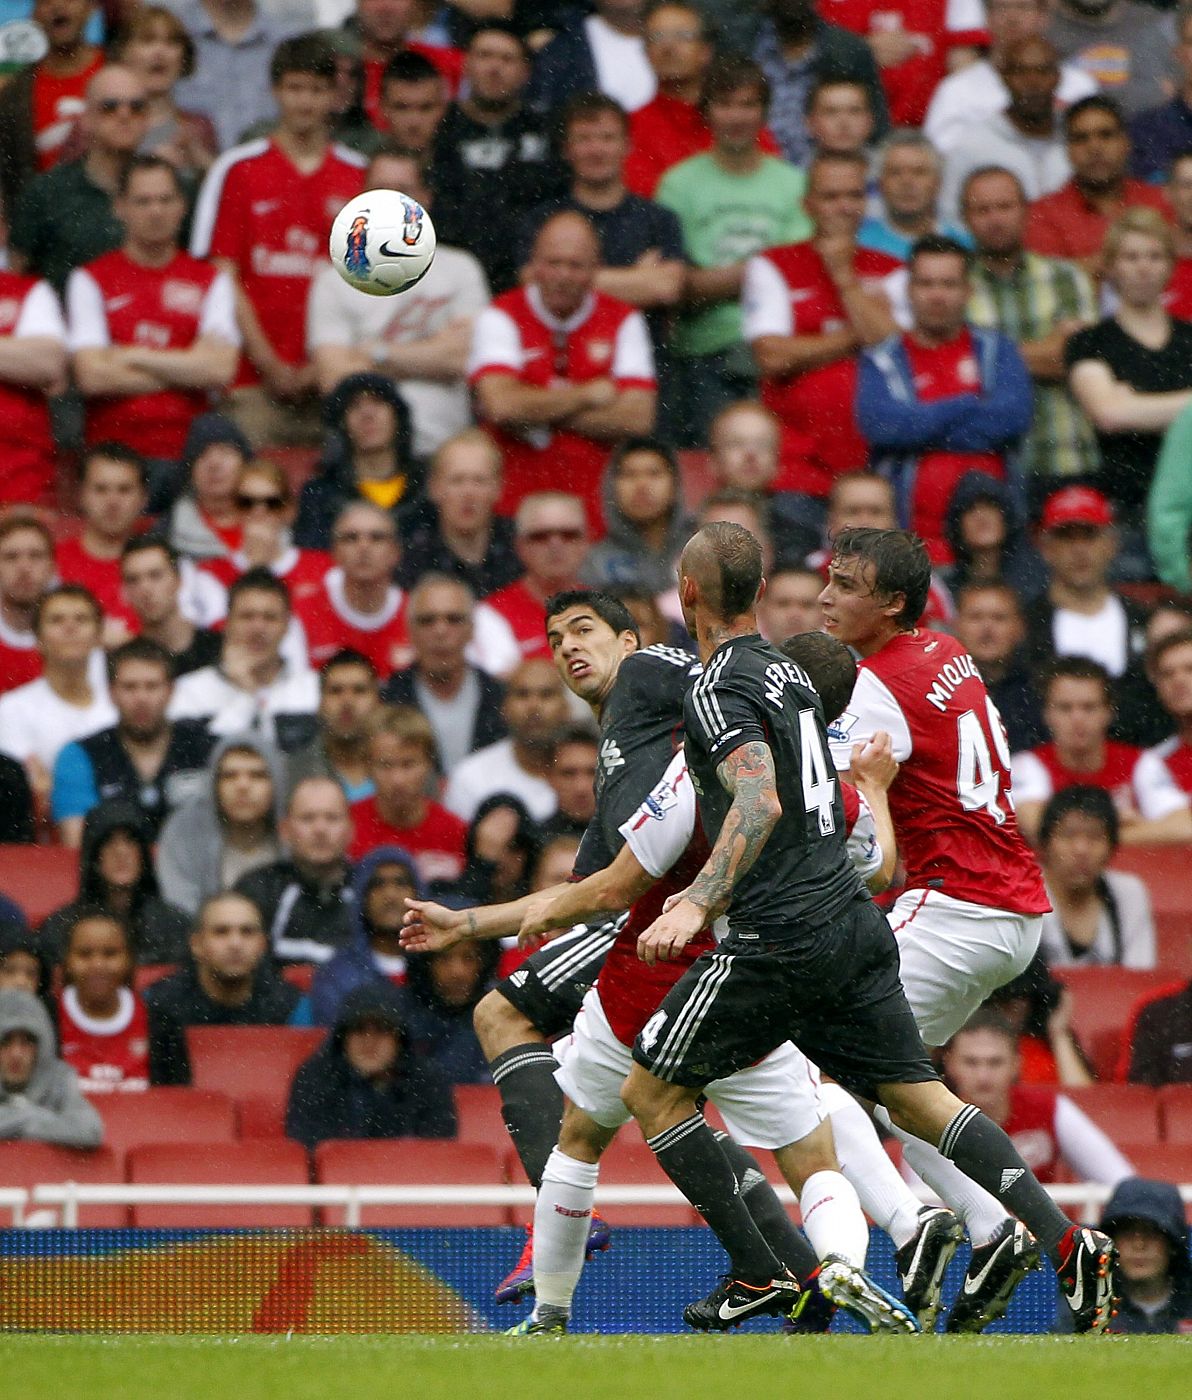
(158, 49)
(103, 1028)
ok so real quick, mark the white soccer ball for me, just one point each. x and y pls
(382, 242)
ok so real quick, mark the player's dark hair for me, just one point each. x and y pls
(900, 565)
(148, 162)
(346, 656)
(987, 1019)
(65, 590)
(1075, 668)
(830, 665)
(504, 27)
(738, 554)
(141, 544)
(1158, 650)
(409, 66)
(933, 245)
(258, 580)
(115, 452)
(587, 106)
(140, 649)
(1095, 102)
(730, 73)
(823, 81)
(311, 54)
(1092, 802)
(608, 609)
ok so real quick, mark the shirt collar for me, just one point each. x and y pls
(573, 322)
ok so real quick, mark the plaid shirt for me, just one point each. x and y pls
(1028, 305)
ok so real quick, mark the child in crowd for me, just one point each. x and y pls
(102, 1024)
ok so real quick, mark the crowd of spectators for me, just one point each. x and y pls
(274, 555)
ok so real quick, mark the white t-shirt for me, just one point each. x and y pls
(454, 288)
(40, 315)
(207, 694)
(1102, 636)
(1158, 790)
(622, 70)
(977, 91)
(495, 769)
(36, 723)
(1136, 926)
(1041, 163)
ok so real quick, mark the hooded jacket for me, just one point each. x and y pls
(329, 1099)
(1021, 566)
(333, 485)
(51, 1107)
(17, 937)
(189, 532)
(1157, 1203)
(190, 853)
(441, 1031)
(356, 965)
(159, 930)
(622, 558)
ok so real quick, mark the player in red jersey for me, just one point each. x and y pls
(103, 1028)
(971, 915)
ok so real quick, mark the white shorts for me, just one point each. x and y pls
(770, 1104)
(955, 954)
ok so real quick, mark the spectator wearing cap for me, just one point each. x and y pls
(204, 522)
(1132, 372)
(1146, 1220)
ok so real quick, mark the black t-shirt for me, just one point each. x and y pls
(1128, 459)
(640, 729)
(749, 692)
(204, 650)
(179, 776)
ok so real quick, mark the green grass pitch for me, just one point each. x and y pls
(592, 1368)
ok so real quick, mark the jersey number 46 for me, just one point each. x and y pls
(978, 777)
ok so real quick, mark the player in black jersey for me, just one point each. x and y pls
(807, 957)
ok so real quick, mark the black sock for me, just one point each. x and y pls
(531, 1103)
(984, 1152)
(691, 1157)
(769, 1215)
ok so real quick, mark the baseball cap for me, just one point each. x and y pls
(1077, 505)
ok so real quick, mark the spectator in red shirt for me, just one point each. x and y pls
(103, 1028)
(264, 215)
(943, 399)
(551, 540)
(27, 569)
(1072, 222)
(112, 498)
(401, 755)
(385, 27)
(41, 104)
(1178, 298)
(561, 372)
(32, 366)
(152, 330)
(670, 127)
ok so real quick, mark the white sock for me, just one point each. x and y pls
(887, 1199)
(982, 1215)
(832, 1218)
(562, 1216)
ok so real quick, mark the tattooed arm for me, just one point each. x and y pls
(748, 773)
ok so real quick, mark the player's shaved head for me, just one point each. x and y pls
(724, 561)
(830, 665)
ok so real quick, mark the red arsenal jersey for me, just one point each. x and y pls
(1115, 775)
(58, 103)
(664, 132)
(106, 1055)
(517, 336)
(437, 843)
(525, 615)
(788, 291)
(331, 624)
(20, 660)
(301, 570)
(1031, 1128)
(951, 802)
(261, 213)
(28, 308)
(115, 301)
(100, 576)
(944, 372)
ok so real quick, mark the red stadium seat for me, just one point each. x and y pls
(40, 878)
(1167, 874)
(1126, 1112)
(260, 1117)
(478, 1113)
(167, 1114)
(412, 1162)
(256, 1062)
(146, 975)
(1173, 937)
(1102, 1001)
(1163, 1161)
(31, 1164)
(259, 1163)
(1175, 1110)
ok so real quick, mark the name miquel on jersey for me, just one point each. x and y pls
(950, 679)
(784, 673)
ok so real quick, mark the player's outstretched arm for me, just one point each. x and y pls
(874, 770)
(747, 773)
(430, 926)
(605, 891)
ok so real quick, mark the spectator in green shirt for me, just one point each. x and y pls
(732, 202)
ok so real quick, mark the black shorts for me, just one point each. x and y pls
(549, 987)
(837, 997)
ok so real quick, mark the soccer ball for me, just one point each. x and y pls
(382, 242)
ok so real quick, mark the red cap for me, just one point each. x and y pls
(1077, 505)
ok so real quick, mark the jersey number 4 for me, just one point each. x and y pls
(978, 778)
(819, 776)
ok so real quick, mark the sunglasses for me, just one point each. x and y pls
(568, 536)
(136, 105)
(272, 503)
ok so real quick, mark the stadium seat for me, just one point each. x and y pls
(31, 1164)
(40, 878)
(297, 462)
(167, 1114)
(1167, 874)
(1173, 938)
(256, 1062)
(259, 1163)
(412, 1162)
(260, 1116)
(478, 1114)
(1163, 1161)
(148, 973)
(1102, 1001)
(1175, 1111)
(1126, 1112)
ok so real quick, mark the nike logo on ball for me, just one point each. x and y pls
(387, 252)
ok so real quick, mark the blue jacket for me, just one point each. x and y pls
(356, 966)
(564, 67)
(899, 428)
